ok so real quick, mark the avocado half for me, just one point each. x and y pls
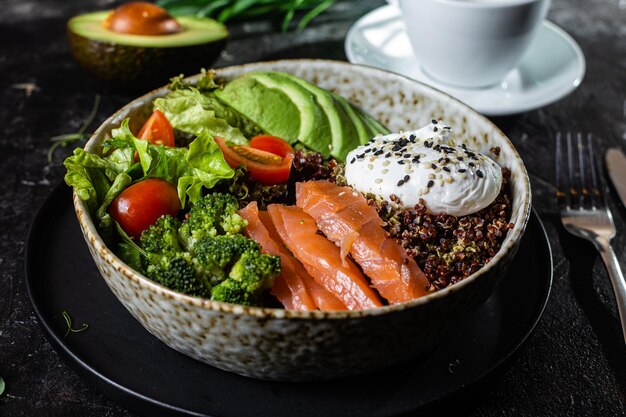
(144, 61)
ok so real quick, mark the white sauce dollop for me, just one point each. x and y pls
(426, 164)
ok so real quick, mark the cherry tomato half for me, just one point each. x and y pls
(141, 204)
(157, 130)
(271, 144)
(269, 163)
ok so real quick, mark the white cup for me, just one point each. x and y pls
(471, 43)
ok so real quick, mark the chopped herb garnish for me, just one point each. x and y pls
(68, 321)
(70, 138)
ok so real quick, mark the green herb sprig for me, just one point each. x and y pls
(70, 138)
(68, 321)
(225, 10)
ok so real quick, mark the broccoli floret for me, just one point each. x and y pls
(214, 214)
(215, 255)
(253, 273)
(162, 236)
(176, 271)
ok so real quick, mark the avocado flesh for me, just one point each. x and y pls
(252, 99)
(374, 124)
(315, 132)
(196, 31)
(343, 131)
(363, 131)
(138, 62)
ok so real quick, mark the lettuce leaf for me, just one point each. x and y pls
(202, 165)
(92, 175)
(191, 111)
(99, 180)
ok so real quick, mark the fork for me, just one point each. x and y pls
(581, 196)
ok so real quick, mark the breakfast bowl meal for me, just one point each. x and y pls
(299, 219)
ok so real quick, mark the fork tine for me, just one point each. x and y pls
(573, 175)
(585, 168)
(562, 185)
(597, 193)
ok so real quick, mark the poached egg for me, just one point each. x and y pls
(425, 164)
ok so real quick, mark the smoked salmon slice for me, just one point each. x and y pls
(344, 216)
(322, 258)
(294, 287)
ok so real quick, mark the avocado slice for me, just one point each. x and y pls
(270, 109)
(139, 60)
(363, 130)
(344, 135)
(315, 130)
(375, 125)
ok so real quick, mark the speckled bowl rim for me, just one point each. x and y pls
(91, 234)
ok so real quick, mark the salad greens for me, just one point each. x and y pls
(192, 111)
(99, 180)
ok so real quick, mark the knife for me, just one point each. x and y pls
(616, 166)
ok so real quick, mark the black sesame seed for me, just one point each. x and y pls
(388, 154)
(400, 162)
(368, 150)
(407, 155)
(400, 183)
(352, 160)
(472, 164)
(428, 144)
(440, 159)
(435, 129)
(434, 121)
(378, 152)
(406, 178)
(430, 183)
(446, 169)
(433, 166)
(412, 137)
(461, 170)
(479, 173)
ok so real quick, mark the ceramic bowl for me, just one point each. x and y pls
(295, 345)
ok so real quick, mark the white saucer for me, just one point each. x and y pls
(553, 66)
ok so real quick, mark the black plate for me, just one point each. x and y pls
(121, 359)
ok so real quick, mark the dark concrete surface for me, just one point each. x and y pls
(574, 364)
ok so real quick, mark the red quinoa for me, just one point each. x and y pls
(449, 248)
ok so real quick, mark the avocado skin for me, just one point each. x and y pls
(141, 67)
